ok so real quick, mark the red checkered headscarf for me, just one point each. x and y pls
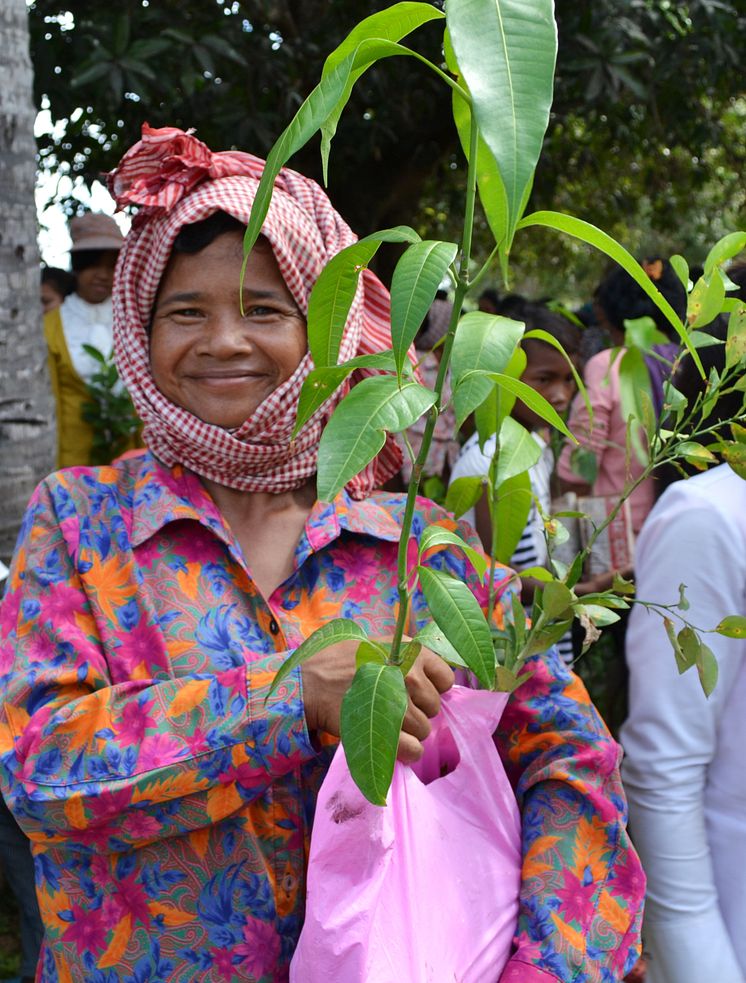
(176, 180)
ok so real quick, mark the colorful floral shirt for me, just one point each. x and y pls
(170, 808)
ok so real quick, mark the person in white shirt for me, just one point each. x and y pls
(547, 372)
(684, 769)
(85, 317)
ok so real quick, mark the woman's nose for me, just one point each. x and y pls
(227, 336)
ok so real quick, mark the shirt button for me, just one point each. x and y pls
(274, 627)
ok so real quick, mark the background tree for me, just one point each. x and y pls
(26, 415)
(646, 136)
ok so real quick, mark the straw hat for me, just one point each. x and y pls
(95, 231)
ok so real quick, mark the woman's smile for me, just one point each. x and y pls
(206, 355)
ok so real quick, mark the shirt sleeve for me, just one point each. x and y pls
(582, 883)
(671, 739)
(86, 758)
(592, 437)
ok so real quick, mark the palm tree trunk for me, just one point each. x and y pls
(26, 410)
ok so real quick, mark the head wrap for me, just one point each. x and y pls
(176, 180)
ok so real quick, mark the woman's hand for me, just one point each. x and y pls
(328, 675)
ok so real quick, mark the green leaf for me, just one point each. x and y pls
(681, 662)
(584, 464)
(550, 340)
(415, 283)
(588, 233)
(373, 710)
(537, 573)
(320, 384)
(695, 454)
(556, 599)
(95, 353)
(672, 399)
(735, 456)
(681, 269)
(622, 586)
(634, 385)
(547, 637)
(457, 612)
(338, 630)
(313, 112)
(432, 637)
(357, 429)
(739, 433)
(409, 655)
(391, 24)
(727, 247)
(489, 183)
(689, 646)
(507, 681)
(369, 651)
(510, 514)
(734, 626)
(642, 332)
(706, 300)
(331, 299)
(438, 536)
(506, 50)
(600, 615)
(533, 400)
(735, 345)
(518, 450)
(483, 342)
(490, 413)
(463, 494)
(683, 604)
(707, 667)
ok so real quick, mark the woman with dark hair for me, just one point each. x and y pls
(83, 318)
(617, 299)
(151, 603)
(56, 284)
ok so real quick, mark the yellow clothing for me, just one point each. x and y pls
(74, 435)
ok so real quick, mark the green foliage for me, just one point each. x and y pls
(372, 713)
(109, 410)
(485, 360)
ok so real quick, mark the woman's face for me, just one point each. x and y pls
(95, 283)
(204, 355)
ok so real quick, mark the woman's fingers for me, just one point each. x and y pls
(426, 680)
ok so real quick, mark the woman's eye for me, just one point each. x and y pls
(260, 310)
(188, 312)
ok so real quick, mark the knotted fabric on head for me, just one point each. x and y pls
(176, 180)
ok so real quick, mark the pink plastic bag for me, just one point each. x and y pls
(424, 890)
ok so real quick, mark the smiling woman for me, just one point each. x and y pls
(168, 797)
(207, 354)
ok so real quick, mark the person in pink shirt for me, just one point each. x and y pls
(618, 299)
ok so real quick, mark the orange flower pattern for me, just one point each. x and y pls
(169, 808)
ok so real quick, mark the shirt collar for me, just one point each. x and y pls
(169, 494)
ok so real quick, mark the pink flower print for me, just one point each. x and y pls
(9, 609)
(261, 950)
(87, 930)
(41, 648)
(159, 751)
(131, 899)
(134, 721)
(142, 645)
(223, 963)
(361, 570)
(108, 804)
(140, 826)
(61, 604)
(70, 529)
(575, 898)
(629, 878)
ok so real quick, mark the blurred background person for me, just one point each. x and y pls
(618, 298)
(56, 284)
(84, 318)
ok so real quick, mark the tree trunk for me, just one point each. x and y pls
(26, 410)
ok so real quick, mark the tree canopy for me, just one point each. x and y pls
(646, 136)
